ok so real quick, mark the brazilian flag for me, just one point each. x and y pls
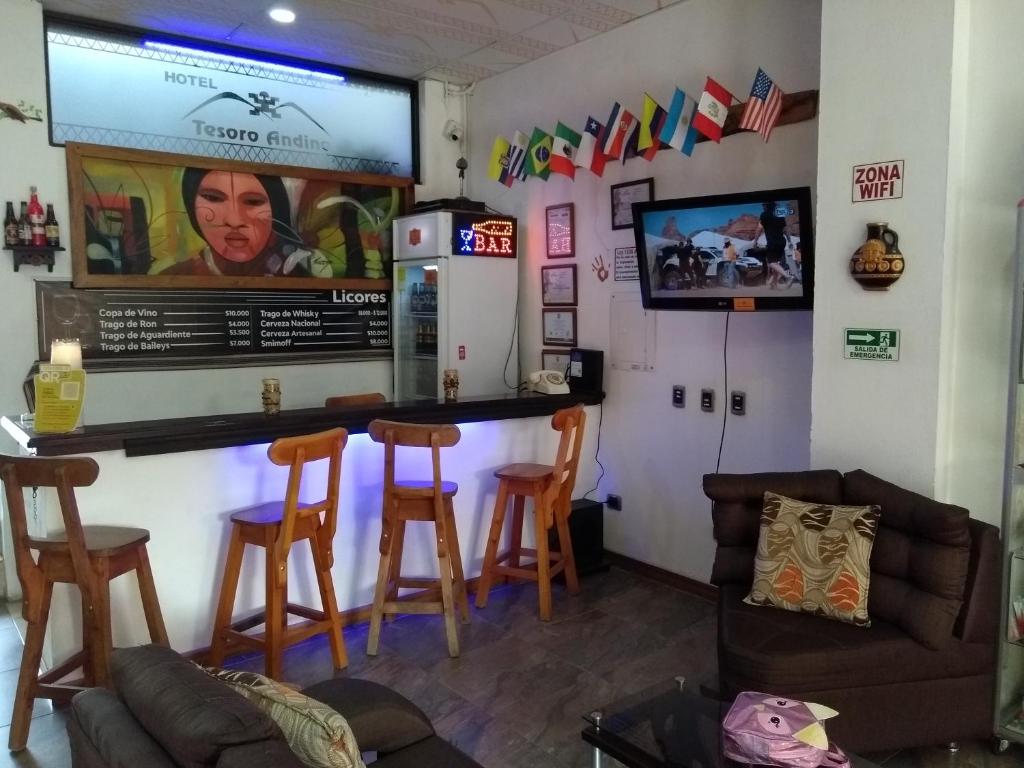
(538, 156)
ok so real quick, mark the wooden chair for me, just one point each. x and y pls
(550, 487)
(352, 401)
(86, 555)
(417, 500)
(275, 526)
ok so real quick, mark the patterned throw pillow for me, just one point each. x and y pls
(318, 735)
(814, 558)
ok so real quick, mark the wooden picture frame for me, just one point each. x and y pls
(560, 231)
(555, 360)
(243, 225)
(559, 327)
(558, 285)
(624, 195)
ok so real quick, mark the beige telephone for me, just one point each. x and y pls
(548, 383)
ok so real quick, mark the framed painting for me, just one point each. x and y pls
(153, 220)
(559, 231)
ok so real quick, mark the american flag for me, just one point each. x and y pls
(764, 107)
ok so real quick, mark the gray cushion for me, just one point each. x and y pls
(259, 754)
(193, 716)
(919, 561)
(104, 733)
(434, 752)
(381, 719)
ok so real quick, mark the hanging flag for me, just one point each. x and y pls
(517, 155)
(678, 131)
(538, 157)
(764, 107)
(712, 110)
(498, 167)
(630, 147)
(563, 151)
(649, 141)
(589, 154)
(619, 124)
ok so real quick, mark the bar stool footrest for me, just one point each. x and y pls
(413, 606)
(55, 674)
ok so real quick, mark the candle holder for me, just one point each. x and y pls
(450, 382)
(271, 397)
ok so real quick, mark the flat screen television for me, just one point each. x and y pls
(747, 251)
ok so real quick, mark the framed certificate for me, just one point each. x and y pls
(559, 326)
(623, 197)
(561, 240)
(558, 285)
(554, 360)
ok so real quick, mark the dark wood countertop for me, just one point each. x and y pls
(148, 438)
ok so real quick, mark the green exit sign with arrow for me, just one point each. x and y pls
(871, 344)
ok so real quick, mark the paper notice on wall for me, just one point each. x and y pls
(60, 392)
(626, 267)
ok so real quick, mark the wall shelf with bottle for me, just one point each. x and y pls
(34, 255)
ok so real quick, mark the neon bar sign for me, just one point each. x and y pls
(484, 235)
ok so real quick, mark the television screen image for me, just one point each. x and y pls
(741, 251)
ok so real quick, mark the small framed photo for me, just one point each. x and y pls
(559, 327)
(561, 240)
(555, 360)
(558, 285)
(623, 197)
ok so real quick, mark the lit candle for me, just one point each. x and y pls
(66, 352)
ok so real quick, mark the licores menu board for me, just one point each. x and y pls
(160, 324)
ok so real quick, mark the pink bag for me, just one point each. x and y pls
(763, 729)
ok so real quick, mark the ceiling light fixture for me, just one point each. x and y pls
(282, 15)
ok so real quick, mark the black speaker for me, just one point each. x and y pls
(586, 370)
(586, 531)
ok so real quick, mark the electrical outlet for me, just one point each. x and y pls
(738, 402)
(614, 501)
(679, 396)
(707, 400)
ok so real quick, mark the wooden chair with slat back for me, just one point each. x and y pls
(86, 555)
(417, 500)
(550, 487)
(354, 401)
(276, 526)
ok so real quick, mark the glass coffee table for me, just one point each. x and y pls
(670, 725)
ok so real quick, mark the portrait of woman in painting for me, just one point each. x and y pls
(242, 217)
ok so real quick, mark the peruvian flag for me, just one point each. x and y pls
(712, 110)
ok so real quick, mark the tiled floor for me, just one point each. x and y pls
(514, 697)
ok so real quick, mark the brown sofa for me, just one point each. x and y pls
(923, 673)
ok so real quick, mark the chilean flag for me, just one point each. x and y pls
(589, 154)
(712, 110)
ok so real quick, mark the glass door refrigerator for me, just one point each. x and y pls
(455, 291)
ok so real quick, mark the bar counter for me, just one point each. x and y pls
(181, 479)
(150, 438)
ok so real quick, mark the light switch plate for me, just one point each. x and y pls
(707, 400)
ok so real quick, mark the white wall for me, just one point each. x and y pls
(993, 182)
(656, 455)
(935, 420)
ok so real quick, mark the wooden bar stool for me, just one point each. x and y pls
(89, 556)
(417, 500)
(351, 401)
(550, 487)
(275, 526)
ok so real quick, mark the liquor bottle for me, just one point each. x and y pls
(416, 299)
(419, 338)
(11, 237)
(52, 228)
(24, 230)
(36, 219)
(433, 298)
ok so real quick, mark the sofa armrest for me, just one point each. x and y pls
(260, 754)
(381, 719)
(736, 506)
(104, 734)
(978, 621)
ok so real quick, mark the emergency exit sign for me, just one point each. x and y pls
(878, 181)
(871, 344)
